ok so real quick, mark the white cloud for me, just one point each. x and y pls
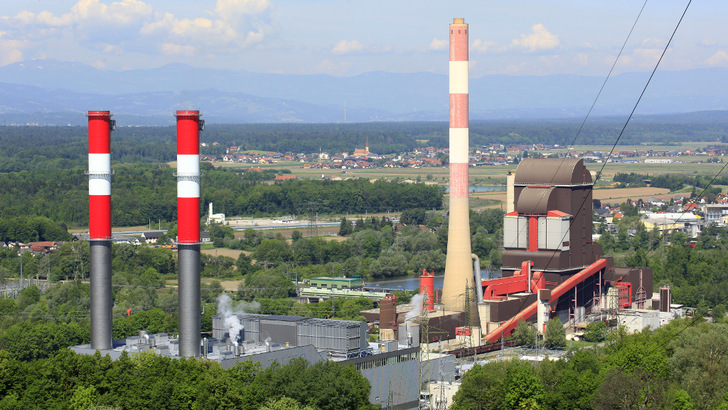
(436, 44)
(485, 46)
(346, 47)
(94, 12)
(112, 49)
(582, 59)
(232, 8)
(232, 27)
(648, 56)
(539, 39)
(112, 26)
(329, 67)
(513, 69)
(177, 49)
(356, 46)
(10, 50)
(653, 43)
(720, 58)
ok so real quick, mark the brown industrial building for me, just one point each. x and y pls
(547, 251)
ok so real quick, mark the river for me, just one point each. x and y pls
(411, 282)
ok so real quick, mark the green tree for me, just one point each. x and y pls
(345, 227)
(700, 363)
(526, 333)
(523, 388)
(266, 284)
(271, 251)
(595, 332)
(284, 403)
(27, 296)
(296, 235)
(555, 335)
(244, 265)
(482, 388)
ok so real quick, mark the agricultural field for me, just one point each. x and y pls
(495, 176)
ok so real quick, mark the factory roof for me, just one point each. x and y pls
(552, 171)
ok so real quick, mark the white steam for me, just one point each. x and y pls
(230, 312)
(416, 303)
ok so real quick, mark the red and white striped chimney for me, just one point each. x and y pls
(458, 286)
(99, 174)
(100, 125)
(188, 230)
(188, 176)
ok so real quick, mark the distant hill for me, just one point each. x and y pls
(54, 92)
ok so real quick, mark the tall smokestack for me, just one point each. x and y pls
(458, 293)
(100, 125)
(188, 230)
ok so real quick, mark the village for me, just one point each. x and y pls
(490, 155)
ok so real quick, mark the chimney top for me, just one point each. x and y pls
(458, 21)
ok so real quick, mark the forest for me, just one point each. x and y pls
(68, 380)
(144, 192)
(54, 148)
(683, 365)
(673, 182)
(694, 271)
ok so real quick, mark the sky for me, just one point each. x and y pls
(346, 37)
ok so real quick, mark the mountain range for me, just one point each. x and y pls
(58, 93)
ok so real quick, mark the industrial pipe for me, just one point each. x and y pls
(100, 125)
(427, 289)
(478, 278)
(507, 327)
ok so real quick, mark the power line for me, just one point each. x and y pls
(629, 118)
(609, 74)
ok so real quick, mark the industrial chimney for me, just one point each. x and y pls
(458, 292)
(189, 126)
(100, 125)
(427, 289)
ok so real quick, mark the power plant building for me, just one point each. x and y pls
(551, 268)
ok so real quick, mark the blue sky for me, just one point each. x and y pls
(346, 37)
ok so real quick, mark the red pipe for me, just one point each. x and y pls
(532, 233)
(507, 328)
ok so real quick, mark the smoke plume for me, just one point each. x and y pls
(230, 312)
(416, 303)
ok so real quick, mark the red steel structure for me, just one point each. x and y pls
(427, 289)
(506, 329)
(100, 125)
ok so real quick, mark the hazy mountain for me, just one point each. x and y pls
(47, 86)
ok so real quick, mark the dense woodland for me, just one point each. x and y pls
(694, 271)
(144, 192)
(681, 366)
(67, 380)
(705, 184)
(53, 148)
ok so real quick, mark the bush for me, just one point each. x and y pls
(595, 332)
